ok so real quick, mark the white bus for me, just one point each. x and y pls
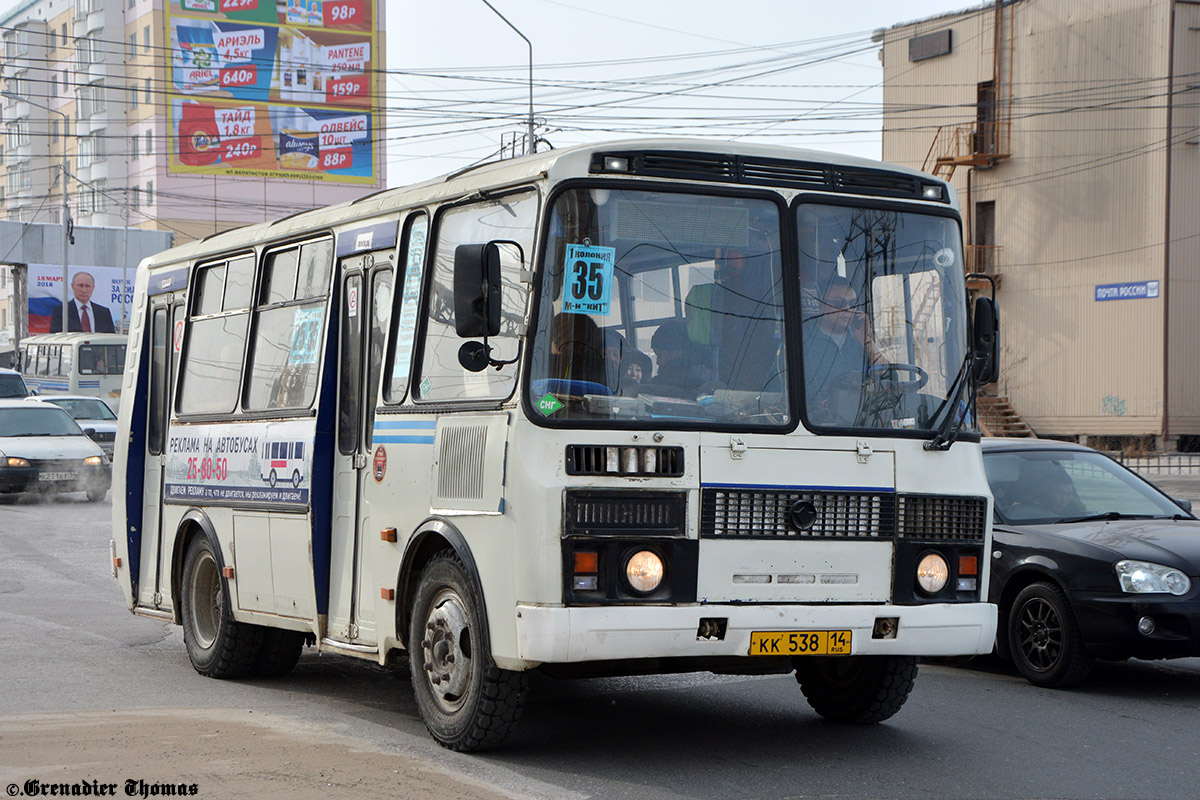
(75, 363)
(645, 407)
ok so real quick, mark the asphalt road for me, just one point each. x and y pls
(968, 730)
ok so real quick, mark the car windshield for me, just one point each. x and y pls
(885, 333)
(12, 386)
(35, 421)
(661, 306)
(84, 408)
(1054, 486)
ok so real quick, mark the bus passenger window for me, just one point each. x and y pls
(406, 320)
(279, 276)
(288, 335)
(239, 283)
(508, 217)
(316, 258)
(210, 285)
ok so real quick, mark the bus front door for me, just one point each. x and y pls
(365, 303)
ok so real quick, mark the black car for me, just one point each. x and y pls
(1089, 562)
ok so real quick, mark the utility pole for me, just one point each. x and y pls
(66, 210)
(532, 148)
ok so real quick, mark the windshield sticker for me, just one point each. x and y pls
(588, 279)
(549, 404)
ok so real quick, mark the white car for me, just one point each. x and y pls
(12, 384)
(93, 415)
(43, 450)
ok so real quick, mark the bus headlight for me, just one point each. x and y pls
(644, 571)
(932, 573)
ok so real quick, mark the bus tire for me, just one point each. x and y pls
(279, 654)
(273, 479)
(217, 645)
(856, 689)
(467, 702)
(295, 479)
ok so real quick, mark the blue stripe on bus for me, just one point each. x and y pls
(402, 439)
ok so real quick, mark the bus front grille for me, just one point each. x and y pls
(750, 512)
(796, 513)
(941, 518)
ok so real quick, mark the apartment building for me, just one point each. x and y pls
(1072, 133)
(191, 116)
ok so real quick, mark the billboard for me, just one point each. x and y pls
(274, 90)
(107, 290)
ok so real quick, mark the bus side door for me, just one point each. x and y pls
(365, 305)
(166, 326)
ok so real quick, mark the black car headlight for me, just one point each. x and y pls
(1143, 577)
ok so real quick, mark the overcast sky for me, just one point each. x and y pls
(801, 73)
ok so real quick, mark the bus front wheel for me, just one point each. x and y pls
(217, 645)
(856, 689)
(466, 701)
(273, 479)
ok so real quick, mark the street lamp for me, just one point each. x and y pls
(66, 211)
(532, 138)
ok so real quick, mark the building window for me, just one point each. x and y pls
(133, 95)
(146, 38)
(18, 133)
(133, 147)
(89, 100)
(149, 96)
(134, 197)
(66, 82)
(149, 192)
(51, 43)
(89, 150)
(64, 34)
(149, 142)
(133, 44)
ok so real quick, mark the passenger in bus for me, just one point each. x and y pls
(577, 351)
(838, 353)
(678, 375)
(625, 366)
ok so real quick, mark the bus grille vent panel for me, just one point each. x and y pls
(461, 462)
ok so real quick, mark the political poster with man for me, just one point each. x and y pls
(98, 299)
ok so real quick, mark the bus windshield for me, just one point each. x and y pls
(662, 305)
(884, 328)
(670, 307)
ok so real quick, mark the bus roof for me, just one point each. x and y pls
(75, 338)
(571, 161)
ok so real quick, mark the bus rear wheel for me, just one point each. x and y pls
(217, 645)
(273, 479)
(467, 702)
(856, 689)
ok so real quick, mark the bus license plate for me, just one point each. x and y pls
(800, 643)
(57, 476)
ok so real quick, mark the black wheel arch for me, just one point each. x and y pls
(431, 537)
(1028, 574)
(193, 523)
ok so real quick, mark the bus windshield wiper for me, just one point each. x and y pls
(948, 431)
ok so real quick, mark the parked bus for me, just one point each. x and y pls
(652, 406)
(75, 363)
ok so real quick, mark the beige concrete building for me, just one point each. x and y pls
(1070, 130)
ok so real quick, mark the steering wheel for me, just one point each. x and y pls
(899, 377)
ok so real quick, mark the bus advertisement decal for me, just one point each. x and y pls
(248, 462)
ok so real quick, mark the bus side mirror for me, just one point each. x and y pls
(986, 341)
(477, 290)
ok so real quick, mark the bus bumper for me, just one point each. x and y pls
(554, 635)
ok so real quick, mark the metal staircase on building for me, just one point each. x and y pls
(997, 417)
